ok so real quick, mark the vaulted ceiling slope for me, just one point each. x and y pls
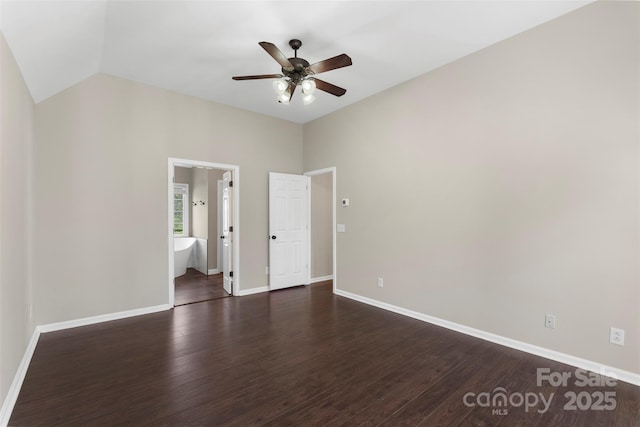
(194, 47)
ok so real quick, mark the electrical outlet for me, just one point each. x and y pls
(380, 282)
(550, 321)
(616, 336)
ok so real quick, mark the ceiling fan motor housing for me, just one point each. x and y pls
(298, 73)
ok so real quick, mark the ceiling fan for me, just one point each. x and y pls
(297, 71)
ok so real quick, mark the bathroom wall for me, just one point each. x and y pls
(199, 212)
(214, 176)
(199, 218)
(184, 176)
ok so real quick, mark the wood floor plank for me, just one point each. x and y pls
(516, 380)
(299, 356)
(396, 390)
(195, 287)
(627, 405)
(334, 363)
(481, 360)
(357, 377)
(454, 410)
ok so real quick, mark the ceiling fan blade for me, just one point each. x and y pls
(259, 76)
(276, 54)
(330, 64)
(328, 87)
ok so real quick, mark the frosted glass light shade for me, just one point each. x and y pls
(284, 97)
(308, 99)
(308, 87)
(280, 85)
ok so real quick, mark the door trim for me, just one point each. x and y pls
(227, 232)
(333, 172)
(172, 163)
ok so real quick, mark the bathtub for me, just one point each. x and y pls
(182, 249)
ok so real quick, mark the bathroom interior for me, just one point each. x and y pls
(196, 234)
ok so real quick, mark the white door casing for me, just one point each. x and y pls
(288, 230)
(227, 234)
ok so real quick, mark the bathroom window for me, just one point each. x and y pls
(181, 210)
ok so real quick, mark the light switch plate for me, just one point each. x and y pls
(341, 228)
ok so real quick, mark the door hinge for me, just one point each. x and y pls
(231, 229)
(231, 274)
(230, 183)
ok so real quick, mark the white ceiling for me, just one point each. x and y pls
(195, 47)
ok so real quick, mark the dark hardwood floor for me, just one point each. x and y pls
(294, 357)
(197, 287)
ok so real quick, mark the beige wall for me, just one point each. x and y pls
(214, 176)
(101, 236)
(511, 187)
(183, 175)
(200, 213)
(16, 142)
(321, 225)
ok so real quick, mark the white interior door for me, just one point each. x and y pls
(227, 233)
(288, 230)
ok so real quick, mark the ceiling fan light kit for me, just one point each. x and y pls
(284, 98)
(308, 87)
(280, 85)
(298, 72)
(308, 99)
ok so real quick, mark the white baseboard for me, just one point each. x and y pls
(101, 318)
(599, 368)
(18, 379)
(245, 292)
(214, 271)
(321, 279)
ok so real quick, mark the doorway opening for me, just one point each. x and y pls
(203, 233)
(322, 226)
